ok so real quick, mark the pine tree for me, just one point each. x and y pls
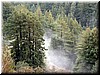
(73, 7)
(87, 51)
(7, 10)
(49, 19)
(27, 31)
(74, 31)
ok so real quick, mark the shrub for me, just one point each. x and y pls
(23, 67)
(21, 64)
(7, 62)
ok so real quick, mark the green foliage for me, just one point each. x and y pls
(85, 13)
(95, 67)
(24, 27)
(7, 10)
(48, 20)
(56, 42)
(87, 50)
(21, 64)
(23, 67)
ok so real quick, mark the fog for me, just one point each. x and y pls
(56, 59)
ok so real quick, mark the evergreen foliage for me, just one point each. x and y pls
(26, 30)
(87, 51)
(73, 26)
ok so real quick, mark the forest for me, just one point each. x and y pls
(50, 37)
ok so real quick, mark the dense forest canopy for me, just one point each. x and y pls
(73, 26)
(85, 13)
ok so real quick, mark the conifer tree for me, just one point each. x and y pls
(27, 31)
(87, 51)
(49, 19)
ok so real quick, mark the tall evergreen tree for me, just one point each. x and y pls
(27, 33)
(87, 51)
(49, 19)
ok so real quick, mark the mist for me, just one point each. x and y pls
(56, 59)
